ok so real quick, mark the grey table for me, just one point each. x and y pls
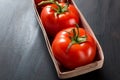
(23, 52)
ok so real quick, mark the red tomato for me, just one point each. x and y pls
(73, 52)
(54, 22)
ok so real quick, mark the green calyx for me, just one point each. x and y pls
(76, 39)
(46, 2)
(59, 10)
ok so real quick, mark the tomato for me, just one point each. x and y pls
(55, 18)
(73, 49)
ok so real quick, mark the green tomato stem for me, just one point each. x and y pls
(60, 8)
(76, 39)
(46, 2)
(70, 44)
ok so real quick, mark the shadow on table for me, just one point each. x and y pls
(95, 75)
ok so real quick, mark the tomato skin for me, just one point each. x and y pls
(54, 24)
(78, 54)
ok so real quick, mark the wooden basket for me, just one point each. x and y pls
(98, 63)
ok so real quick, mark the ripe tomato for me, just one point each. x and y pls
(56, 17)
(73, 50)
